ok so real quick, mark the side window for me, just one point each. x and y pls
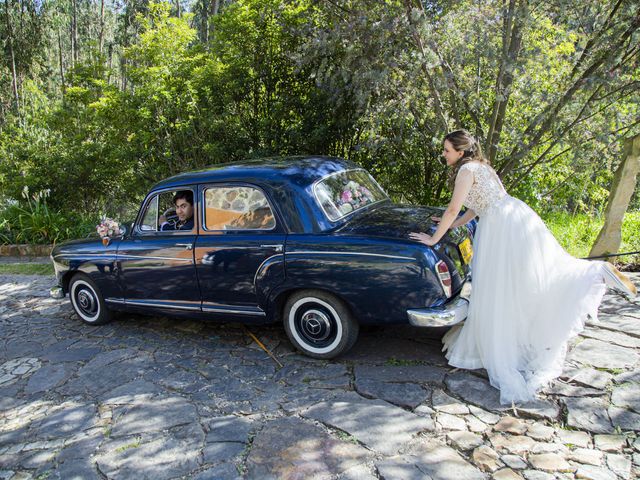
(150, 218)
(169, 211)
(237, 208)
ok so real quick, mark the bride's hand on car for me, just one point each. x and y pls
(423, 238)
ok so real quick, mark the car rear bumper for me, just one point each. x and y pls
(445, 316)
(56, 292)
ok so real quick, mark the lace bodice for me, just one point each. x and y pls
(487, 189)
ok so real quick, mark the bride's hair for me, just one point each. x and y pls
(463, 141)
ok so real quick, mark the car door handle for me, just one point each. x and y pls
(277, 247)
(188, 246)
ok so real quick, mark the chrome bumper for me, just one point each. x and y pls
(445, 316)
(56, 292)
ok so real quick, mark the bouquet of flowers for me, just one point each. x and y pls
(108, 228)
(353, 196)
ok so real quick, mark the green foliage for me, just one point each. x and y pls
(577, 233)
(147, 96)
(32, 221)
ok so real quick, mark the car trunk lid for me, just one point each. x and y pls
(398, 221)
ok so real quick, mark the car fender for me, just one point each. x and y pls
(378, 284)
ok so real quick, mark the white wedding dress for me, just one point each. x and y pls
(529, 296)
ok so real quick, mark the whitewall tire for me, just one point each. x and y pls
(87, 301)
(319, 324)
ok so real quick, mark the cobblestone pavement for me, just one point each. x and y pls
(162, 398)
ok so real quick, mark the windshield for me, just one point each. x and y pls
(342, 193)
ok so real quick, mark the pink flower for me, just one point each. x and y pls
(108, 228)
(346, 196)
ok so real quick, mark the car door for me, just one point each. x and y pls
(157, 266)
(239, 253)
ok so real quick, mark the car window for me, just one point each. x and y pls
(237, 208)
(342, 193)
(150, 218)
(160, 213)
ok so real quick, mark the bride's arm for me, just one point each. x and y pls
(464, 219)
(464, 182)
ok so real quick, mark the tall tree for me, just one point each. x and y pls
(12, 57)
(622, 188)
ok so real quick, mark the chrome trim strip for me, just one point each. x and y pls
(129, 257)
(122, 257)
(115, 300)
(84, 255)
(232, 310)
(223, 247)
(167, 304)
(263, 262)
(316, 252)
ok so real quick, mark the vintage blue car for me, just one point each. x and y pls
(313, 242)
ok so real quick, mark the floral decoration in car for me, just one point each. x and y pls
(352, 197)
(108, 228)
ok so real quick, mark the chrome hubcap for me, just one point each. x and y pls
(316, 325)
(86, 301)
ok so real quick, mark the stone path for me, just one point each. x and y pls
(161, 398)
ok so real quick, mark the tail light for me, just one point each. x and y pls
(444, 276)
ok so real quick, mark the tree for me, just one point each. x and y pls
(624, 184)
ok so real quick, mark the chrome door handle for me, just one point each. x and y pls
(277, 248)
(188, 246)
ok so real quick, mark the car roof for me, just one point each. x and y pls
(301, 171)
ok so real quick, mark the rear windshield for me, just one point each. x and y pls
(342, 193)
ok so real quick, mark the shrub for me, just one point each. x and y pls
(32, 221)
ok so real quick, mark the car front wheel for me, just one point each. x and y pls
(319, 324)
(87, 301)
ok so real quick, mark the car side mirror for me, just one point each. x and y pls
(125, 230)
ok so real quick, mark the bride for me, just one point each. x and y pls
(529, 296)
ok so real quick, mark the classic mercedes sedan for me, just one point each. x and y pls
(313, 242)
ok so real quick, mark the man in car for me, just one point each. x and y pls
(183, 200)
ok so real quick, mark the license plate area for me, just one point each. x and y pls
(466, 250)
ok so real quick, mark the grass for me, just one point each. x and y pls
(26, 269)
(126, 447)
(577, 233)
(346, 437)
(396, 362)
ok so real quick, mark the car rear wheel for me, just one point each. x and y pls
(87, 301)
(319, 324)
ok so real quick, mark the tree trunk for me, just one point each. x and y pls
(435, 94)
(204, 25)
(74, 33)
(101, 35)
(215, 7)
(64, 87)
(110, 57)
(511, 40)
(125, 44)
(14, 72)
(624, 184)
